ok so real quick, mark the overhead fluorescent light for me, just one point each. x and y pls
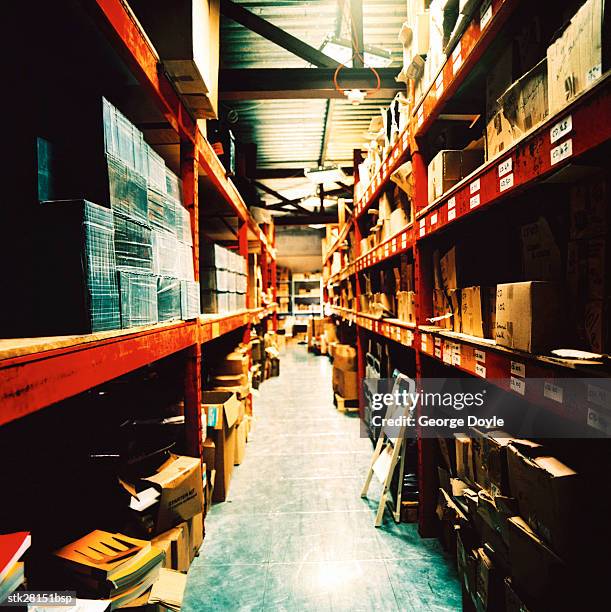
(316, 225)
(341, 51)
(325, 174)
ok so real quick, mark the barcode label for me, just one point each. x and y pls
(480, 370)
(505, 167)
(518, 369)
(480, 356)
(518, 385)
(553, 392)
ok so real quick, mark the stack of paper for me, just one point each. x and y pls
(12, 575)
(111, 566)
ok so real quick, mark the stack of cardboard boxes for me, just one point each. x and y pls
(345, 375)
(513, 508)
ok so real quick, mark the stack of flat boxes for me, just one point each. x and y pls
(223, 280)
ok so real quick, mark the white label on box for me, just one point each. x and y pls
(599, 396)
(437, 352)
(506, 183)
(562, 151)
(480, 370)
(480, 356)
(439, 84)
(518, 385)
(518, 369)
(599, 421)
(434, 219)
(474, 186)
(456, 355)
(505, 167)
(558, 130)
(485, 15)
(474, 201)
(553, 392)
(594, 73)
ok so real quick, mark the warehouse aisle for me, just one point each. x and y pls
(294, 533)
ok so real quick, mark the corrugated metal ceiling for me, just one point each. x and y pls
(291, 133)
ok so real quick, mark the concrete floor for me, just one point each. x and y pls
(294, 533)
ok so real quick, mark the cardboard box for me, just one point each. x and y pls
(528, 316)
(535, 569)
(208, 454)
(588, 209)
(442, 311)
(548, 493)
(398, 221)
(443, 172)
(235, 363)
(406, 306)
(489, 585)
(491, 461)
(478, 311)
(346, 383)
(525, 103)
(466, 561)
(540, 254)
(195, 528)
(513, 602)
(240, 442)
(222, 409)
(345, 357)
(449, 273)
(499, 134)
(575, 58)
(464, 457)
(177, 541)
(179, 480)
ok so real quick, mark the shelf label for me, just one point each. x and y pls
(423, 343)
(437, 341)
(562, 151)
(480, 356)
(518, 369)
(393, 245)
(216, 329)
(452, 208)
(518, 385)
(447, 353)
(404, 241)
(553, 392)
(480, 370)
(599, 421)
(420, 117)
(456, 355)
(558, 130)
(456, 58)
(437, 352)
(434, 219)
(422, 226)
(474, 186)
(506, 183)
(439, 84)
(598, 396)
(505, 167)
(474, 201)
(386, 249)
(485, 15)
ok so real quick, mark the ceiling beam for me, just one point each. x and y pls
(276, 35)
(294, 83)
(283, 200)
(288, 173)
(306, 219)
(356, 28)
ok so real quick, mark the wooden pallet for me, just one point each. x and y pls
(346, 405)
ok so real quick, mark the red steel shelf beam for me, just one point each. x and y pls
(395, 245)
(563, 138)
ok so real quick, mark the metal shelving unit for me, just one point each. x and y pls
(36, 373)
(567, 136)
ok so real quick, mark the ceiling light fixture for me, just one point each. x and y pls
(355, 96)
(325, 174)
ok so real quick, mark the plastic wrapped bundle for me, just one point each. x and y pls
(133, 245)
(127, 190)
(156, 171)
(165, 254)
(241, 283)
(214, 256)
(241, 301)
(78, 276)
(189, 300)
(185, 262)
(182, 223)
(173, 185)
(168, 299)
(214, 279)
(213, 302)
(161, 211)
(138, 293)
(123, 140)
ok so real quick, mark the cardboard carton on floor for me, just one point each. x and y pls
(240, 442)
(346, 383)
(535, 569)
(513, 601)
(195, 529)
(529, 316)
(177, 541)
(489, 585)
(491, 461)
(222, 409)
(179, 480)
(345, 357)
(548, 493)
